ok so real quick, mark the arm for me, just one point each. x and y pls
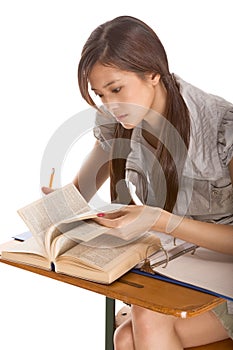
(208, 235)
(212, 236)
(93, 173)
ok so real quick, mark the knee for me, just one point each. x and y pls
(147, 319)
(123, 337)
(140, 313)
(142, 316)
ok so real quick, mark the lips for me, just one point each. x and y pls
(121, 117)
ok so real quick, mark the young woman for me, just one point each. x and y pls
(167, 146)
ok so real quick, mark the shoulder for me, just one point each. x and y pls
(105, 129)
(200, 102)
(211, 119)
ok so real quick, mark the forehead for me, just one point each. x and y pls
(101, 75)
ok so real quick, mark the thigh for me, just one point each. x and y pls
(199, 330)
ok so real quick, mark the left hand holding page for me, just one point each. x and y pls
(133, 219)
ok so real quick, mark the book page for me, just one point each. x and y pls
(29, 252)
(92, 213)
(72, 229)
(30, 246)
(75, 233)
(105, 251)
(53, 208)
(83, 230)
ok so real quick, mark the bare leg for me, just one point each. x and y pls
(123, 336)
(149, 330)
(153, 330)
(200, 330)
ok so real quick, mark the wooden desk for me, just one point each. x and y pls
(136, 289)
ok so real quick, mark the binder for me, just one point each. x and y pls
(206, 270)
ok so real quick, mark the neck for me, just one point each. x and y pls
(158, 106)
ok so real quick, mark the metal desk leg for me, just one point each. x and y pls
(109, 323)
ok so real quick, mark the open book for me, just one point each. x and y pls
(66, 239)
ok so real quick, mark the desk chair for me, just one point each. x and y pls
(226, 344)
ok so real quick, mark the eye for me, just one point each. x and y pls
(115, 91)
(99, 95)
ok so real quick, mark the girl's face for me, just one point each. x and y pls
(127, 96)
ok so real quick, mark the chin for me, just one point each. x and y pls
(128, 126)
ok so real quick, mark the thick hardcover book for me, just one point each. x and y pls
(65, 238)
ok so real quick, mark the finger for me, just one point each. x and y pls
(112, 223)
(46, 190)
(112, 215)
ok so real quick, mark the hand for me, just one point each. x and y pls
(47, 190)
(131, 221)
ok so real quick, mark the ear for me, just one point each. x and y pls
(155, 78)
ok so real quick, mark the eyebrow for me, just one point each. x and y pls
(106, 85)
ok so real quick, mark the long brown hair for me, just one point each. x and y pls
(131, 45)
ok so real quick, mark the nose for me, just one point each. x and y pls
(111, 106)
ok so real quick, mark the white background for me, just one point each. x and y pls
(40, 47)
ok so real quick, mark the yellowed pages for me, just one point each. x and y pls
(51, 209)
(91, 261)
(29, 252)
